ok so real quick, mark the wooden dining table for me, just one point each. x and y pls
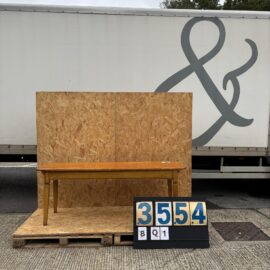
(55, 172)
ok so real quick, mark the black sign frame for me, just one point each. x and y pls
(179, 236)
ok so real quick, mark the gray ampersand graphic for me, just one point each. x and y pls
(196, 65)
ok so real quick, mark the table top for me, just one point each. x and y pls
(112, 166)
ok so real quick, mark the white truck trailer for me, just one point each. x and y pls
(222, 57)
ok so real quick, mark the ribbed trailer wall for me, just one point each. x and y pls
(223, 58)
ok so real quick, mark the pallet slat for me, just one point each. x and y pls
(123, 239)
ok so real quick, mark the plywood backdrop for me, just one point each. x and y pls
(92, 127)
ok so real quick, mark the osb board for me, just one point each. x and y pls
(153, 127)
(77, 127)
(92, 127)
(78, 221)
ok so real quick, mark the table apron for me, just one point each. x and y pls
(84, 175)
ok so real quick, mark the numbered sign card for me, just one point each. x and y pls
(170, 222)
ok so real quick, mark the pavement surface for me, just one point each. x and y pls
(18, 189)
(230, 202)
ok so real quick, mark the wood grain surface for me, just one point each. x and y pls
(109, 127)
(78, 222)
(112, 166)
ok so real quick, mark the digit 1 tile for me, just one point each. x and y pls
(164, 233)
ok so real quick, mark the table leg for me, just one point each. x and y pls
(170, 187)
(175, 184)
(55, 195)
(46, 195)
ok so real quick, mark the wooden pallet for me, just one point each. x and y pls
(67, 241)
(104, 240)
(95, 226)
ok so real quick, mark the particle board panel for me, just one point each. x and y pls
(171, 133)
(77, 127)
(78, 222)
(132, 133)
(156, 127)
(93, 127)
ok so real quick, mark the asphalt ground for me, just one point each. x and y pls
(18, 190)
(239, 228)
